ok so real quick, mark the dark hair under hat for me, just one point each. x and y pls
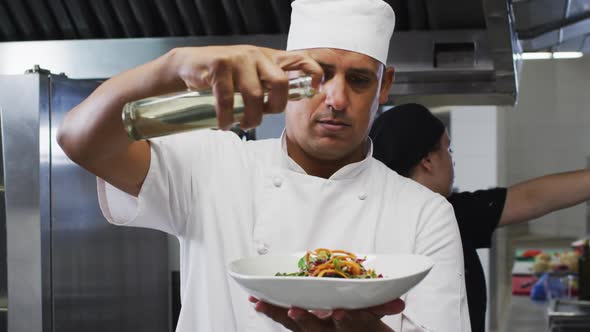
(404, 135)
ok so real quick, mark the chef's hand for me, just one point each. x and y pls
(248, 69)
(300, 320)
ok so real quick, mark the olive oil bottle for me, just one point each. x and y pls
(191, 110)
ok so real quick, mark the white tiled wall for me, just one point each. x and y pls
(547, 132)
(474, 142)
(550, 132)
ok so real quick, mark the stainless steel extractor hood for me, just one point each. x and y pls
(442, 55)
(553, 25)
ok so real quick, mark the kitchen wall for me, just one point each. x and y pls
(547, 132)
(550, 132)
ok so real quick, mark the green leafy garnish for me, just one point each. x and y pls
(301, 264)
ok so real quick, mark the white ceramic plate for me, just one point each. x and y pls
(257, 276)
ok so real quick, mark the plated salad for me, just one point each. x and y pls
(326, 263)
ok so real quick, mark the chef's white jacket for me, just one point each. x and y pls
(225, 199)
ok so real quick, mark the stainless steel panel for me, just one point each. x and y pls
(67, 269)
(503, 45)
(105, 278)
(45, 199)
(581, 28)
(555, 37)
(488, 81)
(578, 7)
(571, 45)
(538, 12)
(3, 281)
(19, 100)
(540, 42)
(102, 58)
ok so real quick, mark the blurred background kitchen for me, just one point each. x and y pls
(510, 78)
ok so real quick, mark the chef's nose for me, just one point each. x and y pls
(336, 92)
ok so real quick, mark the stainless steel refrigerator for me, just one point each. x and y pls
(62, 266)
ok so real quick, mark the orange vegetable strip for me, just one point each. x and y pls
(317, 251)
(356, 269)
(332, 271)
(338, 251)
(327, 265)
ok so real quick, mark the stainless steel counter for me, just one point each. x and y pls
(524, 315)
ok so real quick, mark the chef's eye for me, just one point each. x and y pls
(358, 81)
(328, 74)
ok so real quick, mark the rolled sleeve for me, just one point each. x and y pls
(118, 207)
(164, 201)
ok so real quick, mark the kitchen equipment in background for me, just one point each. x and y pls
(3, 281)
(569, 316)
(68, 269)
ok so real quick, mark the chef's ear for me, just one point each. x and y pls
(386, 84)
(427, 164)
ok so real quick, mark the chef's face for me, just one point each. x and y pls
(335, 123)
(443, 166)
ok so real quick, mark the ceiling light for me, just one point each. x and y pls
(567, 55)
(536, 55)
(550, 55)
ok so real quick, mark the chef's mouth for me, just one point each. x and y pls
(334, 123)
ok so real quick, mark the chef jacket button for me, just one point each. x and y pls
(362, 196)
(262, 248)
(277, 181)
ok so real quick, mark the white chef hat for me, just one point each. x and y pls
(362, 26)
